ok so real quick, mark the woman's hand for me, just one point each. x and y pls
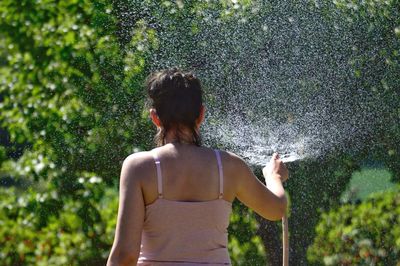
(276, 169)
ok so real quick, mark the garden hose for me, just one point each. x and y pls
(285, 227)
(285, 241)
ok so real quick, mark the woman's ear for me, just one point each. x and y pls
(200, 119)
(154, 117)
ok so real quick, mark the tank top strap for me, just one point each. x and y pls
(159, 175)
(221, 174)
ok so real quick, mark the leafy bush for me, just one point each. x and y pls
(364, 234)
(40, 229)
(245, 246)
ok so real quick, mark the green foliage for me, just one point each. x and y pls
(40, 229)
(245, 246)
(71, 93)
(3, 155)
(364, 234)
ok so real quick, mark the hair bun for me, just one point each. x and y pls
(177, 98)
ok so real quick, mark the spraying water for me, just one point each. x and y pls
(275, 75)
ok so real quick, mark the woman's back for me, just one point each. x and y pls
(189, 173)
(190, 228)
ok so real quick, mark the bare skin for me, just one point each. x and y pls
(190, 173)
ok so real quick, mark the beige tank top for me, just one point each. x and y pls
(186, 233)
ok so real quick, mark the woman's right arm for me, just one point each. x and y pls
(131, 211)
(268, 201)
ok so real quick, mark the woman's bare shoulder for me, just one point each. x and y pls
(234, 163)
(138, 158)
(232, 157)
(138, 163)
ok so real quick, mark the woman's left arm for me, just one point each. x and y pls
(131, 210)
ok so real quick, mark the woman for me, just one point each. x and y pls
(175, 200)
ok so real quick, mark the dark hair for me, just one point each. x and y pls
(177, 98)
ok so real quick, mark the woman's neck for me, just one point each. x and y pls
(184, 136)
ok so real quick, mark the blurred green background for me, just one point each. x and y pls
(72, 107)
